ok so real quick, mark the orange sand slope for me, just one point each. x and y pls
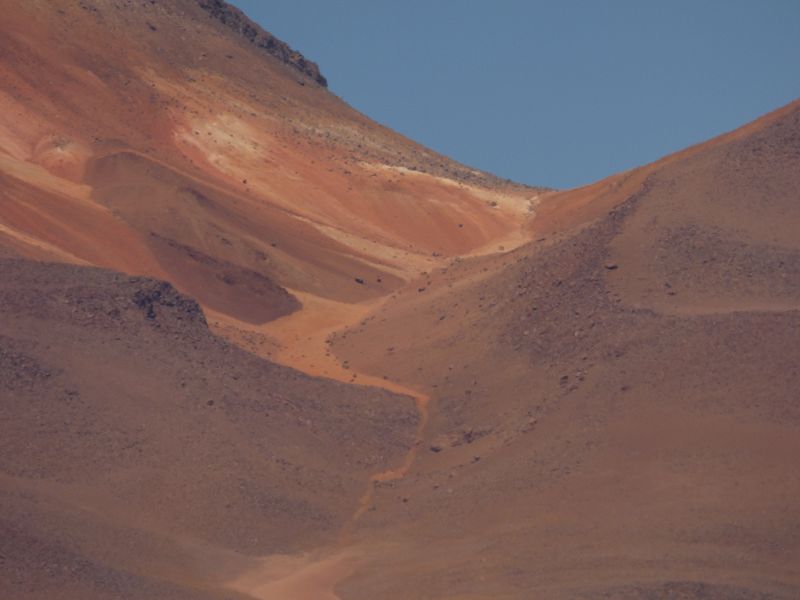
(216, 166)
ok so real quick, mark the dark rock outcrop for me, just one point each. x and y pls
(154, 295)
(235, 19)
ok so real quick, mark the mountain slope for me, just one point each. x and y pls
(615, 410)
(578, 394)
(191, 132)
(141, 457)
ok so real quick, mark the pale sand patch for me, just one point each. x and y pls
(304, 577)
(303, 337)
(510, 241)
(517, 204)
(384, 255)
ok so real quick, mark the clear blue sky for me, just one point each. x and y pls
(555, 93)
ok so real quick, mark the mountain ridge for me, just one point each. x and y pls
(235, 19)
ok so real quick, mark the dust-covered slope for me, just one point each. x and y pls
(142, 457)
(615, 409)
(142, 135)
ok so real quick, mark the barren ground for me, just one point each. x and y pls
(255, 345)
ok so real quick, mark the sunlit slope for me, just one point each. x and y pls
(173, 144)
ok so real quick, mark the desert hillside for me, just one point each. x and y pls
(143, 457)
(169, 139)
(616, 407)
(256, 345)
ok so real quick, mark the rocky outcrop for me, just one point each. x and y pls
(157, 297)
(235, 19)
(97, 298)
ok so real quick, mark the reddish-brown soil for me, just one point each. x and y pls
(374, 372)
(614, 406)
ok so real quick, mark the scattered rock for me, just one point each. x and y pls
(452, 440)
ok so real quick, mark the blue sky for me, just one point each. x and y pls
(556, 93)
